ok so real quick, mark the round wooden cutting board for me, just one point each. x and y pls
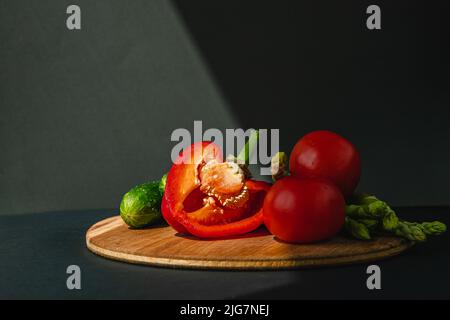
(163, 246)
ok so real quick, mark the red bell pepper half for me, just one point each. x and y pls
(209, 198)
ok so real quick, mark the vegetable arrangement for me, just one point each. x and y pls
(207, 197)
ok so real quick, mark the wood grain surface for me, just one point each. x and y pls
(163, 246)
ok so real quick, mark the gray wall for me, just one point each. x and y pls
(86, 114)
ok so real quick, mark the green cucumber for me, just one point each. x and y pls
(141, 206)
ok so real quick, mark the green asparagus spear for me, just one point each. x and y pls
(375, 214)
(370, 224)
(357, 229)
(390, 220)
(429, 228)
(367, 207)
(434, 228)
(411, 232)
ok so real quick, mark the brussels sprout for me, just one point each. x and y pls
(141, 206)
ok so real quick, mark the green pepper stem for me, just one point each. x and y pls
(249, 148)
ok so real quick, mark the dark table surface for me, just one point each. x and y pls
(37, 248)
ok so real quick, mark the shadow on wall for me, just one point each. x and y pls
(87, 114)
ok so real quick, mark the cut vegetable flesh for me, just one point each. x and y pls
(222, 195)
(207, 210)
(211, 198)
(224, 182)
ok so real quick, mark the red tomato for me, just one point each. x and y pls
(303, 210)
(327, 155)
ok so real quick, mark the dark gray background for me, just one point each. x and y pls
(85, 115)
(40, 247)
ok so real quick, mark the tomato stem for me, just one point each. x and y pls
(249, 148)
